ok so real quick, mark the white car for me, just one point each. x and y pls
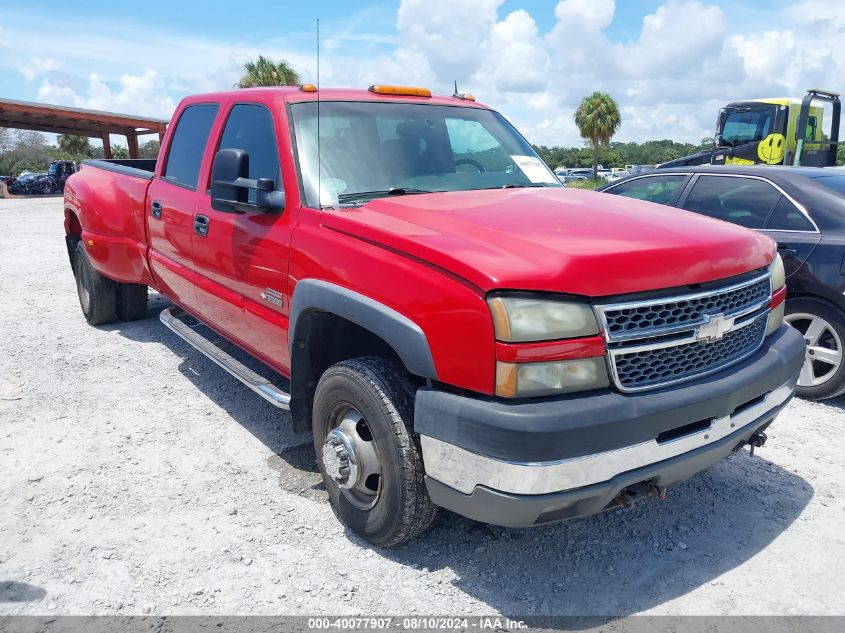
(617, 174)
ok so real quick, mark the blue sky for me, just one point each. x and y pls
(669, 63)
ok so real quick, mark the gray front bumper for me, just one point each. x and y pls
(463, 470)
(572, 456)
(514, 510)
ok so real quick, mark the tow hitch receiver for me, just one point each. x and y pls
(756, 441)
(629, 495)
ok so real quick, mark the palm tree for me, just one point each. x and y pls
(598, 119)
(265, 72)
(75, 147)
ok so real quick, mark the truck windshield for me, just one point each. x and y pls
(369, 150)
(745, 125)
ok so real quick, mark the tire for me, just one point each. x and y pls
(376, 391)
(131, 301)
(97, 294)
(823, 327)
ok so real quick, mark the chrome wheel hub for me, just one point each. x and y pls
(339, 459)
(350, 457)
(824, 348)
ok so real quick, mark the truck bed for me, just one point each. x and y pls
(113, 216)
(136, 167)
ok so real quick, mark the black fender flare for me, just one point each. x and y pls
(314, 295)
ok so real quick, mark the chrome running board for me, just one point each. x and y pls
(259, 384)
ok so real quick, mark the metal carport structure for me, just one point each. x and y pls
(42, 117)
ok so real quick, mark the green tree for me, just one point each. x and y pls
(265, 72)
(75, 147)
(598, 119)
(25, 151)
(150, 149)
(840, 154)
(5, 140)
(118, 151)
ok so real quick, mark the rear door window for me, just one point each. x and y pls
(743, 201)
(787, 217)
(659, 189)
(187, 145)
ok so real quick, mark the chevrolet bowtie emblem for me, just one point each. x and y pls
(715, 327)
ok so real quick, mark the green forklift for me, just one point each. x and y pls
(783, 131)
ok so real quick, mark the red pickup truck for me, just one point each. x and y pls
(458, 329)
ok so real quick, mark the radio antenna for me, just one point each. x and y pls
(319, 156)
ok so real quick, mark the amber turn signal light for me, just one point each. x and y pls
(408, 91)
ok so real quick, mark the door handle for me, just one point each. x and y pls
(156, 210)
(201, 225)
(786, 250)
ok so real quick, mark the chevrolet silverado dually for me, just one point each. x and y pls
(455, 328)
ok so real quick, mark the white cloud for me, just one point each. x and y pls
(670, 76)
(143, 75)
(817, 13)
(37, 66)
(767, 54)
(514, 58)
(137, 94)
(589, 15)
(675, 40)
(448, 32)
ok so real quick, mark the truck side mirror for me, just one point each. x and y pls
(231, 186)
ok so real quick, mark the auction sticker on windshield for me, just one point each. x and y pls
(533, 169)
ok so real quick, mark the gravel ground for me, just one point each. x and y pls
(137, 477)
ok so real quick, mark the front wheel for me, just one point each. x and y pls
(823, 327)
(369, 458)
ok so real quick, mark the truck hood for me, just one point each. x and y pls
(553, 239)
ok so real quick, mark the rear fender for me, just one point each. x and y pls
(106, 211)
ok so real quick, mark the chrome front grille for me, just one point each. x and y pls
(635, 320)
(657, 342)
(652, 367)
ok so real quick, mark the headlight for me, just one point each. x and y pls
(775, 319)
(777, 272)
(525, 380)
(778, 295)
(523, 319)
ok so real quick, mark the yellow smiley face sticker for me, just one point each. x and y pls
(770, 150)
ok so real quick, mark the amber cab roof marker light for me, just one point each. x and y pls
(308, 88)
(464, 96)
(407, 91)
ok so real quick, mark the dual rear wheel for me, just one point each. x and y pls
(103, 300)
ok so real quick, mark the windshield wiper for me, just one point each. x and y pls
(519, 185)
(393, 191)
(401, 191)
